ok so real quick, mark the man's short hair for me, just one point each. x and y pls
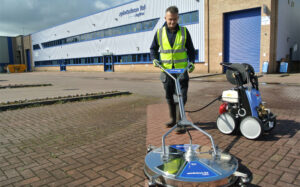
(172, 10)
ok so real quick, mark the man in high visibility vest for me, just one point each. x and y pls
(174, 45)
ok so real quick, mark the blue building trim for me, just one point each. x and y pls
(3, 64)
(89, 15)
(129, 63)
(90, 64)
(120, 59)
(10, 50)
(97, 64)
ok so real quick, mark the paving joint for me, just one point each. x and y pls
(24, 85)
(60, 100)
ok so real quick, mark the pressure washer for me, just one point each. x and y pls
(242, 106)
(190, 164)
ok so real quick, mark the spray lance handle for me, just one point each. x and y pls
(169, 72)
(156, 63)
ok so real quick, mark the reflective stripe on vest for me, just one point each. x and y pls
(173, 55)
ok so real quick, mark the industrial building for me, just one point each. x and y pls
(118, 39)
(15, 50)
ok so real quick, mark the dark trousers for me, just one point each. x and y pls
(170, 88)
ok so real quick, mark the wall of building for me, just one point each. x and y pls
(136, 68)
(28, 46)
(48, 68)
(288, 29)
(4, 51)
(18, 50)
(216, 10)
(199, 68)
(98, 68)
(20, 45)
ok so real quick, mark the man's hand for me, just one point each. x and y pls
(155, 63)
(191, 67)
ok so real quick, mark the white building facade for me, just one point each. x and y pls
(114, 39)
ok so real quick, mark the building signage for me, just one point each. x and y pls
(265, 20)
(139, 11)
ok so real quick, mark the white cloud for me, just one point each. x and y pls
(30, 4)
(100, 5)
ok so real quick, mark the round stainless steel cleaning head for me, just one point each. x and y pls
(203, 170)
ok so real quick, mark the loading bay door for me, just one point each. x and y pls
(242, 30)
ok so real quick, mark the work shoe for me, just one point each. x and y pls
(180, 130)
(170, 124)
(172, 112)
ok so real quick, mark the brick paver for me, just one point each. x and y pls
(157, 116)
(76, 144)
(103, 142)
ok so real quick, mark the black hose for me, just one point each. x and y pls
(218, 98)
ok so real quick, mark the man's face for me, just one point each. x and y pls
(171, 19)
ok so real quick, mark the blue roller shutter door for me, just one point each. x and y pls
(242, 37)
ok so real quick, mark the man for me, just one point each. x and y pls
(176, 49)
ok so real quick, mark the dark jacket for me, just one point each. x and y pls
(154, 54)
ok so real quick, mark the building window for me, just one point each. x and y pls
(88, 36)
(189, 18)
(101, 34)
(82, 37)
(133, 57)
(36, 47)
(197, 56)
(127, 59)
(110, 32)
(195, 17)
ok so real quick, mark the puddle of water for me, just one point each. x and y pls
(282, 84)
(266, 83)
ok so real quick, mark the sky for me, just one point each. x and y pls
(24, 17)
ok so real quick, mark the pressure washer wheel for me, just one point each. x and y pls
(251, 128)
(226, 123)
(270, 124)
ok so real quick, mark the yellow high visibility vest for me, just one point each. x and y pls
(177, 54)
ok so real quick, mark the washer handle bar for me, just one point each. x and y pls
(177, 85)
(184, 121)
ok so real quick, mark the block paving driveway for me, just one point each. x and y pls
(103, 142)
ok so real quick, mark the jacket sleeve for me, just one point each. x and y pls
(190, 47)
(154, 54)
